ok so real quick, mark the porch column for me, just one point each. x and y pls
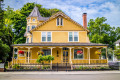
(70, 55)
(88, 54)
(106, 55)
(51, 54)
(29, 54)
(61, 54)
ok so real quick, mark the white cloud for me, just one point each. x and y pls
(75, 8)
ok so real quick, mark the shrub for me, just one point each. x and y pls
(16, 66)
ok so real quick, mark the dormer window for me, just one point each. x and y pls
(33, 26)
(33, 20)
(59, 21)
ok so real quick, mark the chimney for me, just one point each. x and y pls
(85, 20)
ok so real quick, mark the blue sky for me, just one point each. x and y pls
(74, 8)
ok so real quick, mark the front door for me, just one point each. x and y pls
(65, 56)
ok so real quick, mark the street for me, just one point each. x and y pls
(61, 76)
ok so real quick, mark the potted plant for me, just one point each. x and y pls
(21, 53)
(79, 52)
(98, 53)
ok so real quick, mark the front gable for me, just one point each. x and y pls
(51, 24)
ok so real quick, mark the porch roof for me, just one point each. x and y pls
(60, 44)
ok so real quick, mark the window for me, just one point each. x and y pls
(33, 20)
(73, 36)
(46, 52)
(70, 36)
(78, 53)
(31, 40)
(27, 40)
(59, 21)
(46, 36)
(43, 36)
(33, 27)
(28, 28)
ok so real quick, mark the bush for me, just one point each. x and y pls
(16, 66)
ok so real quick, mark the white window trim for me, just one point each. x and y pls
(83, 54)
(73, 36)
(46, 36)
(33, 21)
(26, 40)
(59, 21)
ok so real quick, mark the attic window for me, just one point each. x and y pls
(59, 21)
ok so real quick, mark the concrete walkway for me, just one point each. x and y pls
(63, 72)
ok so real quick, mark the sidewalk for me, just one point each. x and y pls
(63, 72)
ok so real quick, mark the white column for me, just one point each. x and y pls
(51, 55)
(70, 55)
(28, 55)
(89, 54)
(61, 55)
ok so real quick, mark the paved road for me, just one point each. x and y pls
(17, 76)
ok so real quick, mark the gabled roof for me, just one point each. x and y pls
(35, 13)
(117, 42)
(56, 15)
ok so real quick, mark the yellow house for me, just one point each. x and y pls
(60, 36)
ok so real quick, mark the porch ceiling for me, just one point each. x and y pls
(60, 44)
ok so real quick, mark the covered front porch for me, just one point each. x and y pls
(62, 54)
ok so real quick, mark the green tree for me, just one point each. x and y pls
(117, 52)
(19, 19)
(101, 32)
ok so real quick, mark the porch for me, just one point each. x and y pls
(62, 55)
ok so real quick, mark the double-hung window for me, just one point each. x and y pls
(33, 26)
(59, 21)
(28, 28)
(46, 36)
(27, 40)
(73, 36)
(43, 36)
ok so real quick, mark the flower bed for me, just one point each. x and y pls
(41, 67)
(89, 68)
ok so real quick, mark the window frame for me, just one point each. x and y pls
(27, 41)
(32, 26)
(33, 20)
(46, 50)
(78, 58)
(46, 40)
(59, 19)
(73, 36)
(27, 28)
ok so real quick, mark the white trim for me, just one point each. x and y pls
(73, 36)
(60, 31)
(59, 21)
(46, 36)
(83, 54)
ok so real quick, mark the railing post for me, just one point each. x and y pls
(57, 66)
(66, 66)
